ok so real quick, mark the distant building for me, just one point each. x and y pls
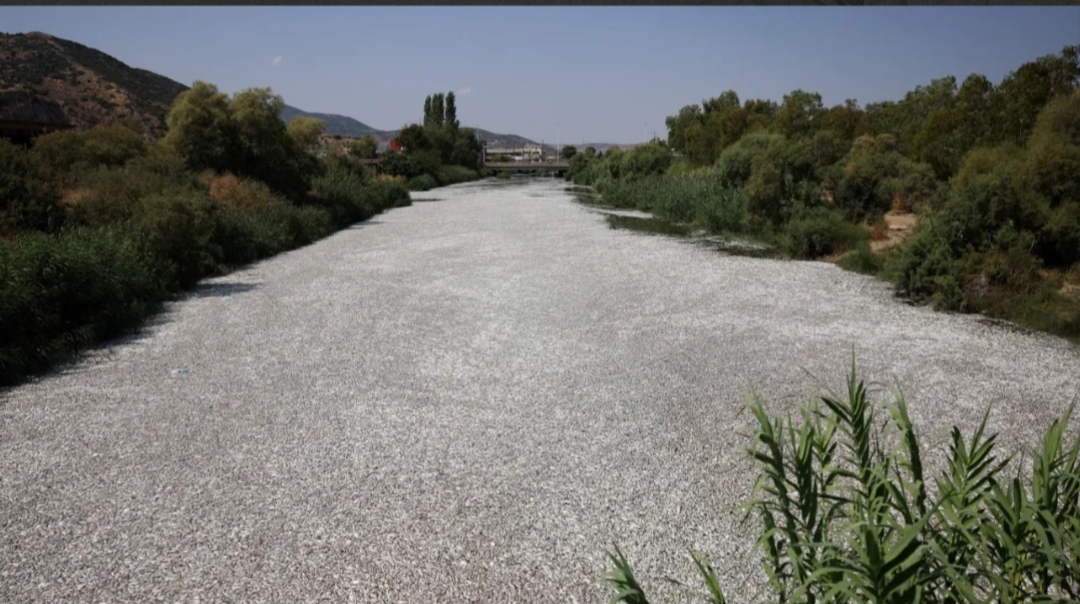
(24, 116)
(525, 153)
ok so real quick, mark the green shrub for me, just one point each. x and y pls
(244, 235)
(452, 175)
(647, 160)
(63, 293)
(25, 203)
(345, 196)
(736, 162)
(503, 175)
(862, 260)
(820, 232)
(63, 155)
(847, 513)
(927, 269)
(423, 182)
(397, 164)
(176, 229)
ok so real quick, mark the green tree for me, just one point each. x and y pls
(568, 152)
(365, 148)
(268, 152)
(429, 117)
(438, 110)
(307, 132)
(414, 138)
(467, 149)
(727, 101)
(450, 118)
(646, 160)
(201, 129)
(797, 115)
(1023, 93)
(678, 125)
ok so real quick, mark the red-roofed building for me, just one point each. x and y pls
(395, 146)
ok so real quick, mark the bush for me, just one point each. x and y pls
(423, 182)
(397, 164)
(244, 235)
(647, 160)
(926, 269)
(345, 196)
(452, 175)
(25, 204)
(820, 232)
(861, 260)
(736, 162)
(63, 155)
(229, 191)
(848, 515)
(176, 229)
(62, 293)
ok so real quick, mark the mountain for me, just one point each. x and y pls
(88, 85)
(336, 125)
(91, 87)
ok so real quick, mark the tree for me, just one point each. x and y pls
(414, 138)
(647, 160)
(451, 111)
(1023, 93)
(307, 132)
(677, 126)
(467, 149)
(366, 148)
(396, 164)
(797, 116)
(438, 110)
(268, 152)
(725, 102)
(568, 152)
(201, 130)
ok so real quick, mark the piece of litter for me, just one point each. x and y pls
(180, 371)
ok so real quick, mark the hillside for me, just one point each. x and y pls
(339, 125)
(91, 87)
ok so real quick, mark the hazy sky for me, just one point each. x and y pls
(602, 74)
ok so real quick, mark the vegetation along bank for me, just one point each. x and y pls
(964, 196)
(100, 227)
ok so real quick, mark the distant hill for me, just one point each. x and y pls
(339, 125)
(91, 87)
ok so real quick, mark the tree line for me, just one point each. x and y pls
(991, 171)
(98, 228)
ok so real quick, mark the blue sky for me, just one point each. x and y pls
(600, 74)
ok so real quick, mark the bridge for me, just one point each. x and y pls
(558, 168)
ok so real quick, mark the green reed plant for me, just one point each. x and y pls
(846, 513)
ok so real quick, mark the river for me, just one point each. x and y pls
(464, 400)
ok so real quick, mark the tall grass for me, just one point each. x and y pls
(846, 512)
(703, 198)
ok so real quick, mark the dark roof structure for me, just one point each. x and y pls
(20, 106)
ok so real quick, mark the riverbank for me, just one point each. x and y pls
(464, 400)
(1051, 303)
